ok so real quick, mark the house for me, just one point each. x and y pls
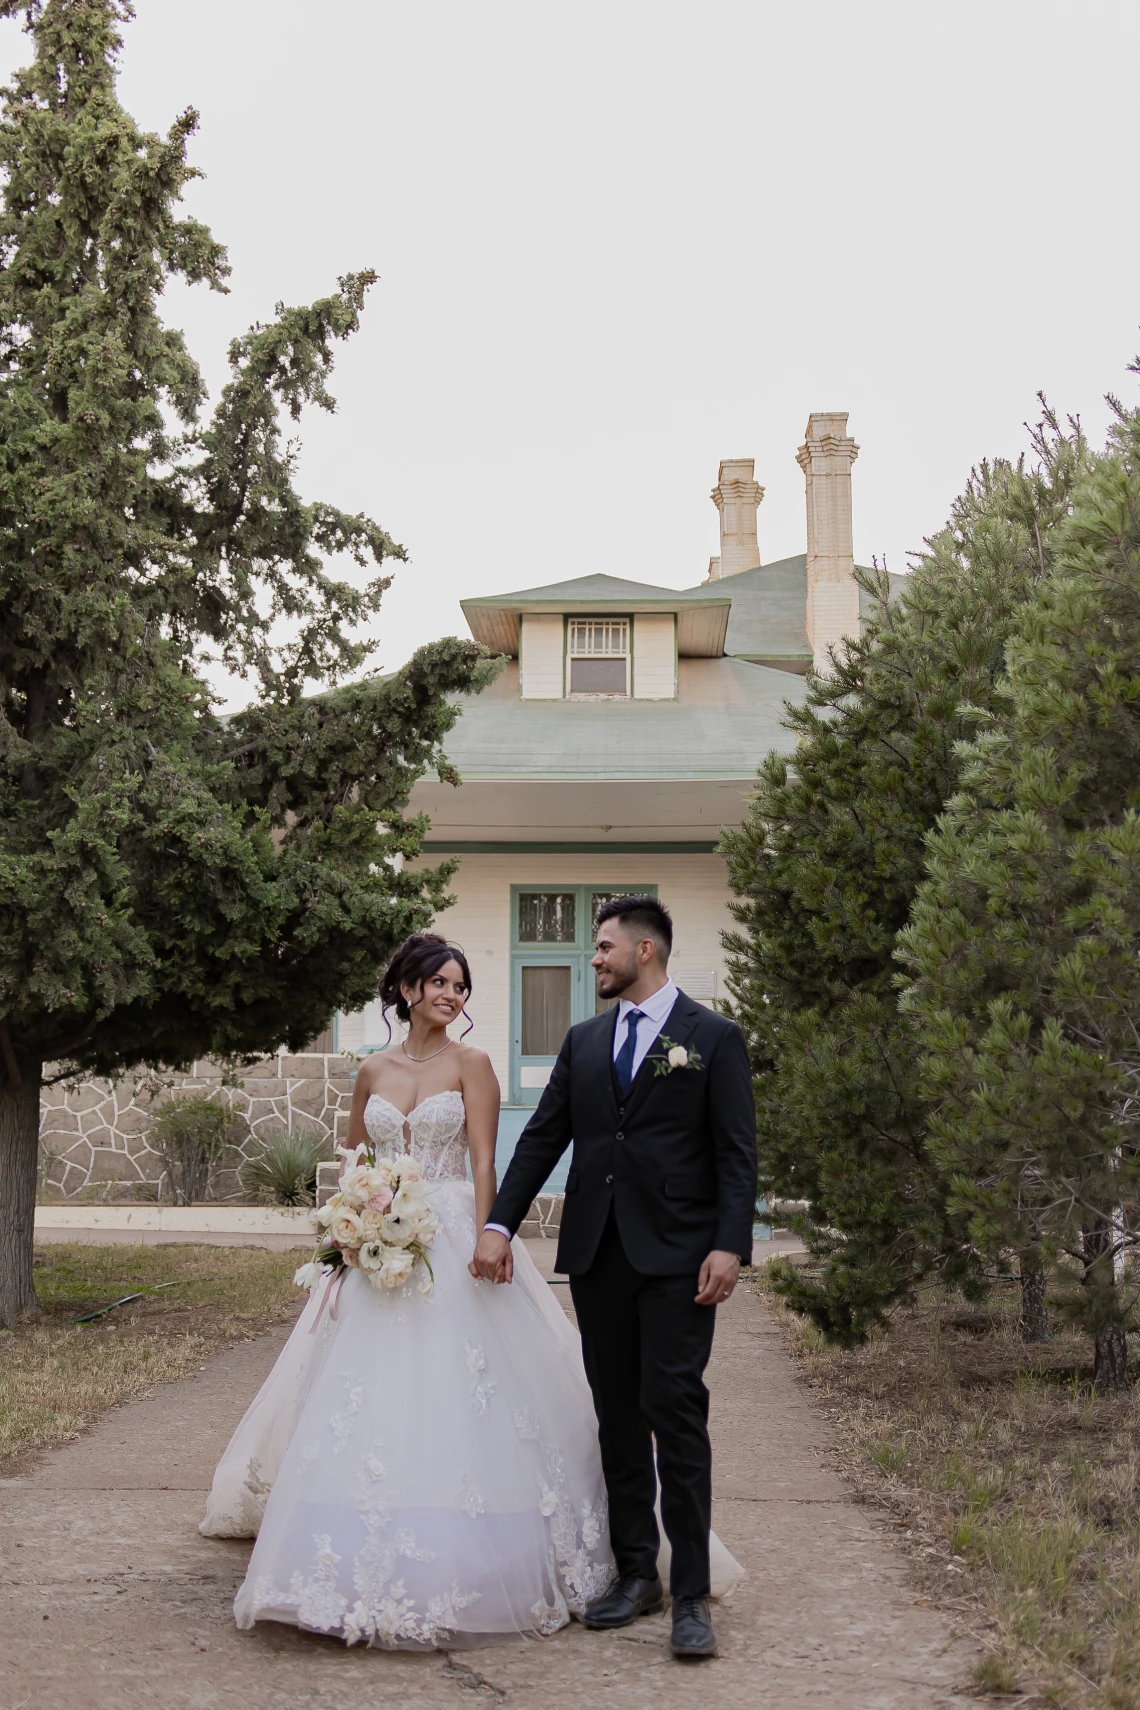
(622, 735)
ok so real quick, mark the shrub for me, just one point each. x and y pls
(190, 1134)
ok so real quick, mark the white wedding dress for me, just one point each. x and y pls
(422, 1471)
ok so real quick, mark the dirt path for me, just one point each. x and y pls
(112, 1599)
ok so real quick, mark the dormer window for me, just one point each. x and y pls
(597, 654)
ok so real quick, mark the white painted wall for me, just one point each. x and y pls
(692, 887)
(654, 656)
(541, 657)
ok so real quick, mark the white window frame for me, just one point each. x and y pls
(599, 638)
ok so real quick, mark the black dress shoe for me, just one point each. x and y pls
(693, 1634)
(626, 1599)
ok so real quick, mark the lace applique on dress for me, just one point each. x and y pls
(574, 1541)
(344, 1423)
(437, 1134)
(481, 1388)
(317, 1601)
(470, 1500)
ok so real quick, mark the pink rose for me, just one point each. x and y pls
(380, 1201)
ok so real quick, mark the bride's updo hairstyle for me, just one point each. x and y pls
(419, 957)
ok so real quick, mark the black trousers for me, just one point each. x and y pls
(646, 1345)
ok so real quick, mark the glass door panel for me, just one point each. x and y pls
(548, 917)
(544, 1002)
(546, 1009)
(552, 983)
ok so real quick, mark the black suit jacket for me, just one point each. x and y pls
(675, 1156)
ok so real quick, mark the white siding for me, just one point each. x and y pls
(692, 887)
(365, 1029)
(654, 656)
(540, 657)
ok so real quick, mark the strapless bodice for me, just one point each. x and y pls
(436, 1134)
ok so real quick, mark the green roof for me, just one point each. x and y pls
(727, 715)
(769, 607)
(595, 590)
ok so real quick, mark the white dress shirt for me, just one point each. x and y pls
(655, 1011)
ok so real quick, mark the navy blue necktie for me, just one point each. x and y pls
(623, 1062)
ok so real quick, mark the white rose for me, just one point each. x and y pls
(408, 1171)
(371, 1224)
(397, 1268)
(678, 1058)
(425, 1228)
(345, 1229)
(354, 1188)
(309, 1275)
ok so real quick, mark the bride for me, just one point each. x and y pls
(422, 1470)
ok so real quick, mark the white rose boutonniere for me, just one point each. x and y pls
(674, 1057)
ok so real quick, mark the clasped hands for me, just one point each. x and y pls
(492, 1261)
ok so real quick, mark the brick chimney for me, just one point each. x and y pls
(737, 497)
(832, 591)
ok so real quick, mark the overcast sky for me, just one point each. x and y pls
(618, 242)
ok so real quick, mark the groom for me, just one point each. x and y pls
(656, 1097)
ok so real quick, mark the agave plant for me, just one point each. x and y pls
(283, 1168)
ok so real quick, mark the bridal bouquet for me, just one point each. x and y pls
(379, 1222)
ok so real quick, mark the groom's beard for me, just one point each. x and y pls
(611, 982)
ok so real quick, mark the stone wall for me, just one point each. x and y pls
(95, 1133)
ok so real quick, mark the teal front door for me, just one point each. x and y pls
(552, 982)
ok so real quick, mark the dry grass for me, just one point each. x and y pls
(1016, 1492)
(57, 1377)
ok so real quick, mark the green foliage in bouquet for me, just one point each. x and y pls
(172, 883)
(825, 869)
(1024, 949)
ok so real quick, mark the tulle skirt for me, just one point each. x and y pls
(422, 1471)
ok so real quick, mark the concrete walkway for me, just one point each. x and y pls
(113, 1600)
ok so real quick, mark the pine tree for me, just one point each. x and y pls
(171, 883)
(825, 868)
(1024, 949)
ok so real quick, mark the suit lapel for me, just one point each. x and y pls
(605, 1045)
(678, 1027)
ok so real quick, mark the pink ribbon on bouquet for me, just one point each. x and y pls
(331, 1295)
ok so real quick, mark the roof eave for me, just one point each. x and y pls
(497, 625)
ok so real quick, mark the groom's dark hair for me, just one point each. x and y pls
(645, 917)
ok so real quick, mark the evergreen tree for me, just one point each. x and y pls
(171, 883)
(825, 868)
(1024, 948)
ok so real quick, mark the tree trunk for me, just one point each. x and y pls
(1110, 1347)
(1035, 1326)
(19, 1167)
(1110, 1362)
